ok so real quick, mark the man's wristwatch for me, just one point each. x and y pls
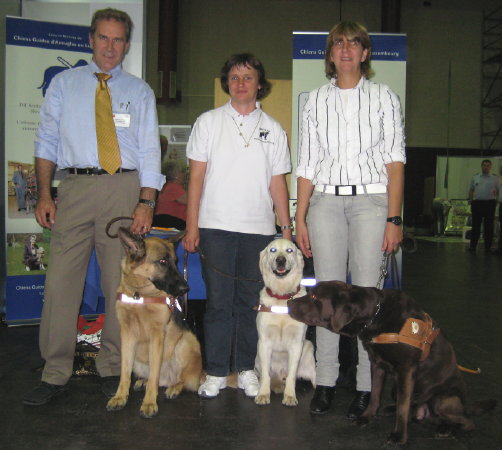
(149, 203)
(396, 220)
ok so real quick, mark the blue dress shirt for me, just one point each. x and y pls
(67, 131)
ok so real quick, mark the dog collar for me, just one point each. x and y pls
(285, 296)
(272, 309)
(137, 300)
(367, 324)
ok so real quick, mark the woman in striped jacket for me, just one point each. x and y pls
(350, 182)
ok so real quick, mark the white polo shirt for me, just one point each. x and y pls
(242, 155)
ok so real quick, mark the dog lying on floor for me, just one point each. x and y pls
(283, 352)
(156, 345)
(428, 381)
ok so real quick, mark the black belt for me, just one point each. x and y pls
(94, 171)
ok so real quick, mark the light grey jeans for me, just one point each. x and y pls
(346, 235)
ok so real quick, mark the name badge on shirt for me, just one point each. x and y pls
(122, 120)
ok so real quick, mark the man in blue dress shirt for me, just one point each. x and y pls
(89, 197)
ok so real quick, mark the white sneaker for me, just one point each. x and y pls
(248, 381)
(211, 387)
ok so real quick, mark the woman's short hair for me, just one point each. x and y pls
(171, 169)
(112, 14)
(245, 59)
(352, 31)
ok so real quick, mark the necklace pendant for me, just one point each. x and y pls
(247, 145)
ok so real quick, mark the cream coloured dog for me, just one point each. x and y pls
(283, 352)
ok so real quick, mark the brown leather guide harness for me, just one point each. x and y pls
(415, 332)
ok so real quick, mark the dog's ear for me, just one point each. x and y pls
(343, 315)
(344, 310)
(134, 244)
(263, 260)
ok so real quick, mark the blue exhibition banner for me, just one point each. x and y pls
(48, 35)
(28, 290)
(25, 294)
(385, 47)
(35, 52)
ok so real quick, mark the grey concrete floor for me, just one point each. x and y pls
(462, 291)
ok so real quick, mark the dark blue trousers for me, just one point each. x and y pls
(230, 335)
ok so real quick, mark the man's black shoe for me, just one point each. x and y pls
(43, 393)
(321, 401)
(109, 385)
(358, 405)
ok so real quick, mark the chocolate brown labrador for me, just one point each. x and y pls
(432, 388)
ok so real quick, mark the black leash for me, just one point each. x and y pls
(220, 272)
(109, 224)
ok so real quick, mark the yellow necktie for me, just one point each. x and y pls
(108, 146)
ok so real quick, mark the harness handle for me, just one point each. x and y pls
(384, 273)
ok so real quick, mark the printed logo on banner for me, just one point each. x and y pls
(25, 297)
(24, 32)
(52, 71)
(384, 47)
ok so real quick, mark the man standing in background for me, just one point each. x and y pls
(483, 194)
(498, 251)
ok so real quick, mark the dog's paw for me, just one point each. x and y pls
(148, 410)
(116, 403)
(362, 421)
(174, 391)
(262, 399)
(139, 385)
(289, 400)
(387, 411)
(396, 438)
(444, 430)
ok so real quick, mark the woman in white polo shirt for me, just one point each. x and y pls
(238, 160)
(350, 181)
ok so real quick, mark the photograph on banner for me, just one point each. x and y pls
(27, 253)
(21, 190)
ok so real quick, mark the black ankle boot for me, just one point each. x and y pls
(358, 405)
(321, 401)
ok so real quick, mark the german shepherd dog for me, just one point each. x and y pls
(156, 345)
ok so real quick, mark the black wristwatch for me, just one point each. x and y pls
(149, 203)
(396, 220)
